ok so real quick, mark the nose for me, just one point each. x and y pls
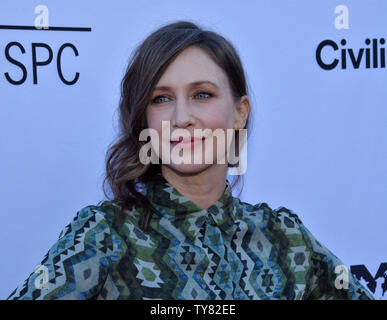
(182, 116)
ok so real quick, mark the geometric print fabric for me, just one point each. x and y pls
(232, 250)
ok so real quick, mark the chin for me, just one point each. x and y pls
(188, 169)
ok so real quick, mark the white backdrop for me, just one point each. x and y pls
(319, 139)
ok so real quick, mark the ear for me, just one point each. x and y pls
(241, 113)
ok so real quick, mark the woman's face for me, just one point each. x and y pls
(194, 93)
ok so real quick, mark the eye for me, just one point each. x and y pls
(200, 96)
(203, 95)
(159, 99)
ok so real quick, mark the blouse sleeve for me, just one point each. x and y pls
(328, 278)
(76, 266)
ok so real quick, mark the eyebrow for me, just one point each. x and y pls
(192, 84)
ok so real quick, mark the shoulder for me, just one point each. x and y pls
(280, 218)
(308, 258)
(77, 264)
(283, 228)
(283, 224)
(124, 223)
(94, 227)
(89, 218)
(104, 216)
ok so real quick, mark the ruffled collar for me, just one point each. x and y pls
(187, 216)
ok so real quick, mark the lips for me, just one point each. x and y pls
(187, 142)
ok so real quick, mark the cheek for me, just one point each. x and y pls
(219, 115)
(155, 116)
(218, 120)
(223, 120)
(154, 120)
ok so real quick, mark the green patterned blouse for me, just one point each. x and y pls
(232, 250)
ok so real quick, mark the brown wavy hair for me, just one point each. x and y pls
(125, 174)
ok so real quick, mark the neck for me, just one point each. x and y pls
(203, 188)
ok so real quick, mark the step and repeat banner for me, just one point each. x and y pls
(317, 77)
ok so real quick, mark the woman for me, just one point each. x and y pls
(173, 229)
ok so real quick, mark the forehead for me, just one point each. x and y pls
(192, 64)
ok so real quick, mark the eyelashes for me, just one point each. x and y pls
(203, 94)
